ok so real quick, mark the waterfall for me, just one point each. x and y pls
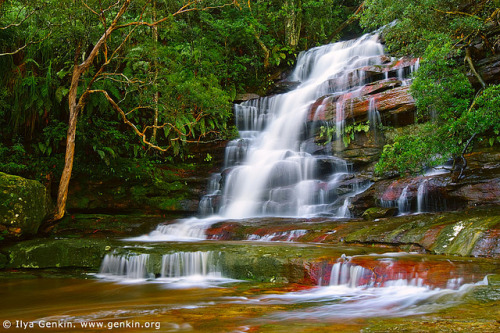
(284, 236)
(403, 202)
(422, 196)
(127, 267)
(267, 170)
(183, 264)
(386, 273)
(176, 265)
(350, 275)
(374, 117)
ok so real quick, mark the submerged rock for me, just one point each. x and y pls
(24, 204)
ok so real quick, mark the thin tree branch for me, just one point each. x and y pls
(89, 8)
(468, 59)
(346, 23)
(464, 166)
(183, 9)
(457, 13)
(25, 46)
(22, 21)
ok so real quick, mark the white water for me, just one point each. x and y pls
(285, 236)
(276, 177)
(184, 230)
(422, 196)
(344, 301)
(356, 292)
(133, 267)
(180, 268)
(267, 170)
(403, 202)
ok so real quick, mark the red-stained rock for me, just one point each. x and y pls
(487, 192)
(396, 105)
(489, 244)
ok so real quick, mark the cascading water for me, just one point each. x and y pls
(133, 267)
(422, 196)
(198, 265)
(268, 171)
(403, 202)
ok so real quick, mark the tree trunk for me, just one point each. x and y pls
(75, 105)
(155, 64)
(62, 192)
(293, 23)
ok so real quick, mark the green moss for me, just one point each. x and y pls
(378, 212)
(461, 237)
(47, 253)
(24, 204)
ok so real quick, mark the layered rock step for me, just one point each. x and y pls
(305, 264)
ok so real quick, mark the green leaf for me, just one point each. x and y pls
(101, 153)
(42, 147)
(60, 93)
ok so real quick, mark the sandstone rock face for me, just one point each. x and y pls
(169, 189)
(489, 69)
(395, 105)
(24, 204)
(469, 232)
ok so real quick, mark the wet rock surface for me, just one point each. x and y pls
(472, 232)
(24, 204)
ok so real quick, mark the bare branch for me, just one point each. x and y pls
(111, 6)
(468, 59)
(138, 108)
(118, 109)
(89, 8)
(457, 13)
(184, 9)
(111, 76)
(25, 46)
(22, 21)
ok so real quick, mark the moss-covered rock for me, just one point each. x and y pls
(164, 189)
(24, 204)
(57, 253)
(378, 212)
(472, 232)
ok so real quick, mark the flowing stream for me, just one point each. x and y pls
(270, 170)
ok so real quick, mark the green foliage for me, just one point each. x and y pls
(415, 150)
(188, 74)
(440, 87)
(438, 31)
(348, 132)
(12, 158)
(413, 25)
(444, 96)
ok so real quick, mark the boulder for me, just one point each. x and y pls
(487, 192)
(57, 253)
(378, 212)
(24, 204)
